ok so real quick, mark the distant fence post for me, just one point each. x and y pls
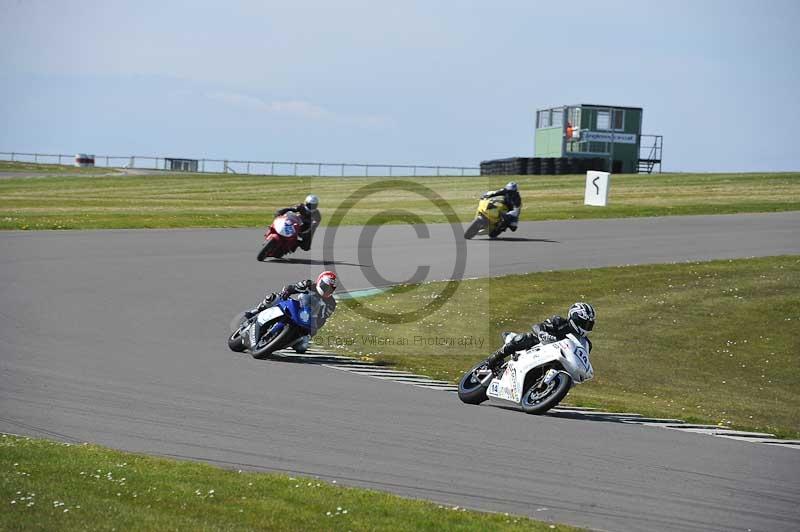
(272, 169)
(12, 156)
(59, 158)
(342, 170)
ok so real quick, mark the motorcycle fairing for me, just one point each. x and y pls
(570, 353)
(269, 314)
(285, 225)
(299, 311)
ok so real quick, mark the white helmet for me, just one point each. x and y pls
(311, 202)
(581, 316)
(511, 186)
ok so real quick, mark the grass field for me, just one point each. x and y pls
(713, 342)
(56, 486)
(209, 200)
(50, 169)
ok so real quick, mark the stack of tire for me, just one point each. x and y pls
(509, 166)
(543, 165)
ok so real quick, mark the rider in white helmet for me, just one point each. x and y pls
(309, 213)
(579, 321)
(513, 201)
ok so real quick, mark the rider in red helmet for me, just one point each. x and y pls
(323, 288)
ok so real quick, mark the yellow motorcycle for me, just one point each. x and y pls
(488, 219)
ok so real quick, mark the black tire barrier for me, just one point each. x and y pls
(535, 166)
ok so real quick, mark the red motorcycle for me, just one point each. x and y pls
(281, 237)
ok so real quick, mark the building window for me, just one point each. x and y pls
(602, 120)
(618, 119)
(606, 118)
(575, 117)
(543, 119)
(558, 118)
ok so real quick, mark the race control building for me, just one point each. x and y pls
(607, 132)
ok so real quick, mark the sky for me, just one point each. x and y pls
(411, 82)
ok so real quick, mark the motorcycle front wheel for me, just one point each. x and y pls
(277, 341)
(470, 389)
(235, 340)
(473, 228)
(540, 397)
(267, 250)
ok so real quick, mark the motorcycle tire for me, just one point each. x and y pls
(281, 340)
(266, 250)
(553, 394)
(235, 342)
(471, 391)
(473, 228)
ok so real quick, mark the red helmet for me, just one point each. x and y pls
(326, 283)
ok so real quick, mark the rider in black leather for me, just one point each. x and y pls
(513, 201)
(324, 287)
(579, 321)
(309, 213)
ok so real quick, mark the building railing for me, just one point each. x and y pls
(273, 168)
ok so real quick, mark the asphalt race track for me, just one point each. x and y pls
(118, 337)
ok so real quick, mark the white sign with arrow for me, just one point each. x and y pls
(597, 184)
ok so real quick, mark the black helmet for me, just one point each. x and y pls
(581, 316)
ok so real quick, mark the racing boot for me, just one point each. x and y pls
(510, 222)
(495, 359)
(301, 345)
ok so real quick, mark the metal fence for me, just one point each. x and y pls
(273, 168)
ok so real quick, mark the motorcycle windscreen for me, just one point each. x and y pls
(309, 308)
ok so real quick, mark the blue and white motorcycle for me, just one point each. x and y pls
(288, 323)
(535, 379)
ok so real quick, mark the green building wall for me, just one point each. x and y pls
(548, 142)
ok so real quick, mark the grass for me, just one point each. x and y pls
(48, 485)
(713, 342)
(28, 168)
(223, 200)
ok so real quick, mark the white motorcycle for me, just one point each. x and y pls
(536, 379)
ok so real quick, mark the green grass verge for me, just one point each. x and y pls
(27, 168)
(224, 200)
(713, 342)
(56, 486)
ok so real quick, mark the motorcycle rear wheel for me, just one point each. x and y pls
(473, 228)
(537, 400)
(470, 390)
